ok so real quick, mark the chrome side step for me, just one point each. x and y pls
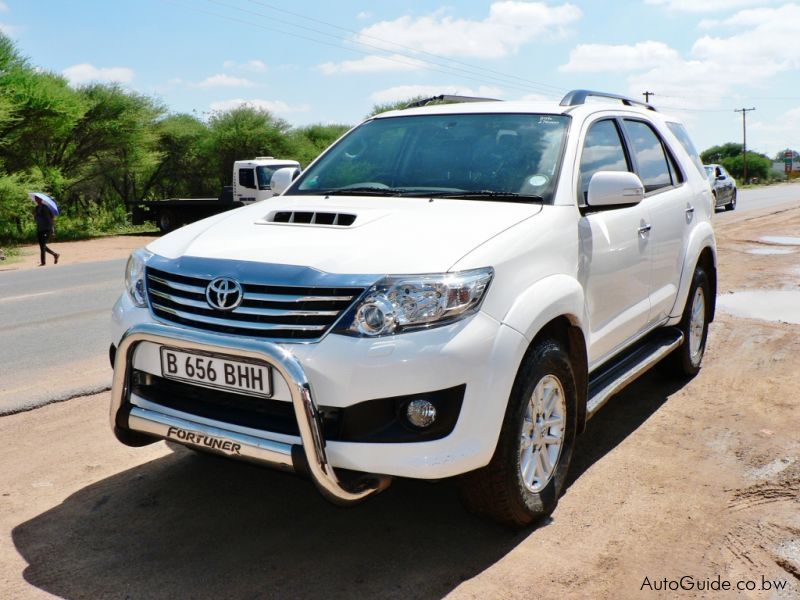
(623, 370)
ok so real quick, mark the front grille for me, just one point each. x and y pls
(266, 311)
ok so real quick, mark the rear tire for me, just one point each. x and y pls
(685, 360)
(526, 475)
(167, 221)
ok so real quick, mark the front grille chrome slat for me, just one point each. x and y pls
(244, 325)
(244, 310)
(268, 310)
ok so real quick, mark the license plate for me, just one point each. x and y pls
(216, 371)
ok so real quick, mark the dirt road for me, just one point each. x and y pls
(697, 480)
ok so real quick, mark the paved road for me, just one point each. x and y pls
(54, 328)
(763, 197)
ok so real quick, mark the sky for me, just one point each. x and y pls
(331, 62)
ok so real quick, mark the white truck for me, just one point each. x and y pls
(447, 291)
(251, 182)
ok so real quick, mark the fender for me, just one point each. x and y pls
(701, 237)
(551, 297)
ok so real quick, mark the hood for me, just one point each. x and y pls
(367, 235)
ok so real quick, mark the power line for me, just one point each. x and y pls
(415, 51)
(446, 69)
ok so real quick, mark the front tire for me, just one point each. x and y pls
(526, 475)
(732, 204)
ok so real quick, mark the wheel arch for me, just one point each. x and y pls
(701, 251)
(554, 308)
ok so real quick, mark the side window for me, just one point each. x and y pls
(247, 178)
(602, 151)
(651, 162)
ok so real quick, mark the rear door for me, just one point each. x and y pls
(615, 256)
(669, 203)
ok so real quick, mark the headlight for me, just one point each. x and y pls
(399, 303)
(134, 276)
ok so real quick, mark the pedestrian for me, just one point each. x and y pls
(44, 230)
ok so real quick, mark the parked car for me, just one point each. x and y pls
(723, 186)
(450, 290)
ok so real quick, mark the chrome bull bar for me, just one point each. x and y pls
(219, 439)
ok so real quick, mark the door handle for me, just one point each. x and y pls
(689, 213)
(644, 230)
(690, 210)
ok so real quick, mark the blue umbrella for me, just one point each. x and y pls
(47, 200)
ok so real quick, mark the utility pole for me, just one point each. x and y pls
(744, 112)
(647, 96)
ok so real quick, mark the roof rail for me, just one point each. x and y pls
(448, 98)
(576, 97)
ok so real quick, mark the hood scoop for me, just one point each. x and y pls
(307, 217)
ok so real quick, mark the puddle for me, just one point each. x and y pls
(767, 305)
(780, 240)
(770, 251)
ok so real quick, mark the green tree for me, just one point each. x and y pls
(182, 170)
(244, 132)
(113, 147)
(716, 154)
(758, 166)
(396, 105)
(309, 141)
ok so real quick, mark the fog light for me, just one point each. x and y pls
(421, 413)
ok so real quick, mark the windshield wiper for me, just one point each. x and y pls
(366, 190)
(489, 195)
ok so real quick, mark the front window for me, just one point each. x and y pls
(264, 175)
(485, 156)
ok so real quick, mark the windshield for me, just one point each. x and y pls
(478, 156)
(264, 175)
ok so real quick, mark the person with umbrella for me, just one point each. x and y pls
(44, 213)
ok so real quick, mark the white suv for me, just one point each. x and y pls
(449, 290)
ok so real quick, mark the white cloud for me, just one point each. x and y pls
(716, 66)
(704, 5)
(363, 15)
(373, 64)
(223, 80)
(85, 73)
(3, 7)
(403, 92)
(592, 58)
(276, 106)
(509, 25)
(9, 30)
(255, 65)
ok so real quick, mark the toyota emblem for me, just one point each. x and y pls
(224, 293)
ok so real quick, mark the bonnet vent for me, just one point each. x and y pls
(312, 218)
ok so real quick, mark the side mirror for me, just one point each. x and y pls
(720, 177)
(614, 188)
(282, 179)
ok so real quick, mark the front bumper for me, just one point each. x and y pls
(127, 418)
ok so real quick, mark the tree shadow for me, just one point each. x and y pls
(194, 526)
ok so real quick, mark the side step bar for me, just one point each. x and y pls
(627, 367)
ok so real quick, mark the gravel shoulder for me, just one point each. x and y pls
(104, 248)
(698, 479)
